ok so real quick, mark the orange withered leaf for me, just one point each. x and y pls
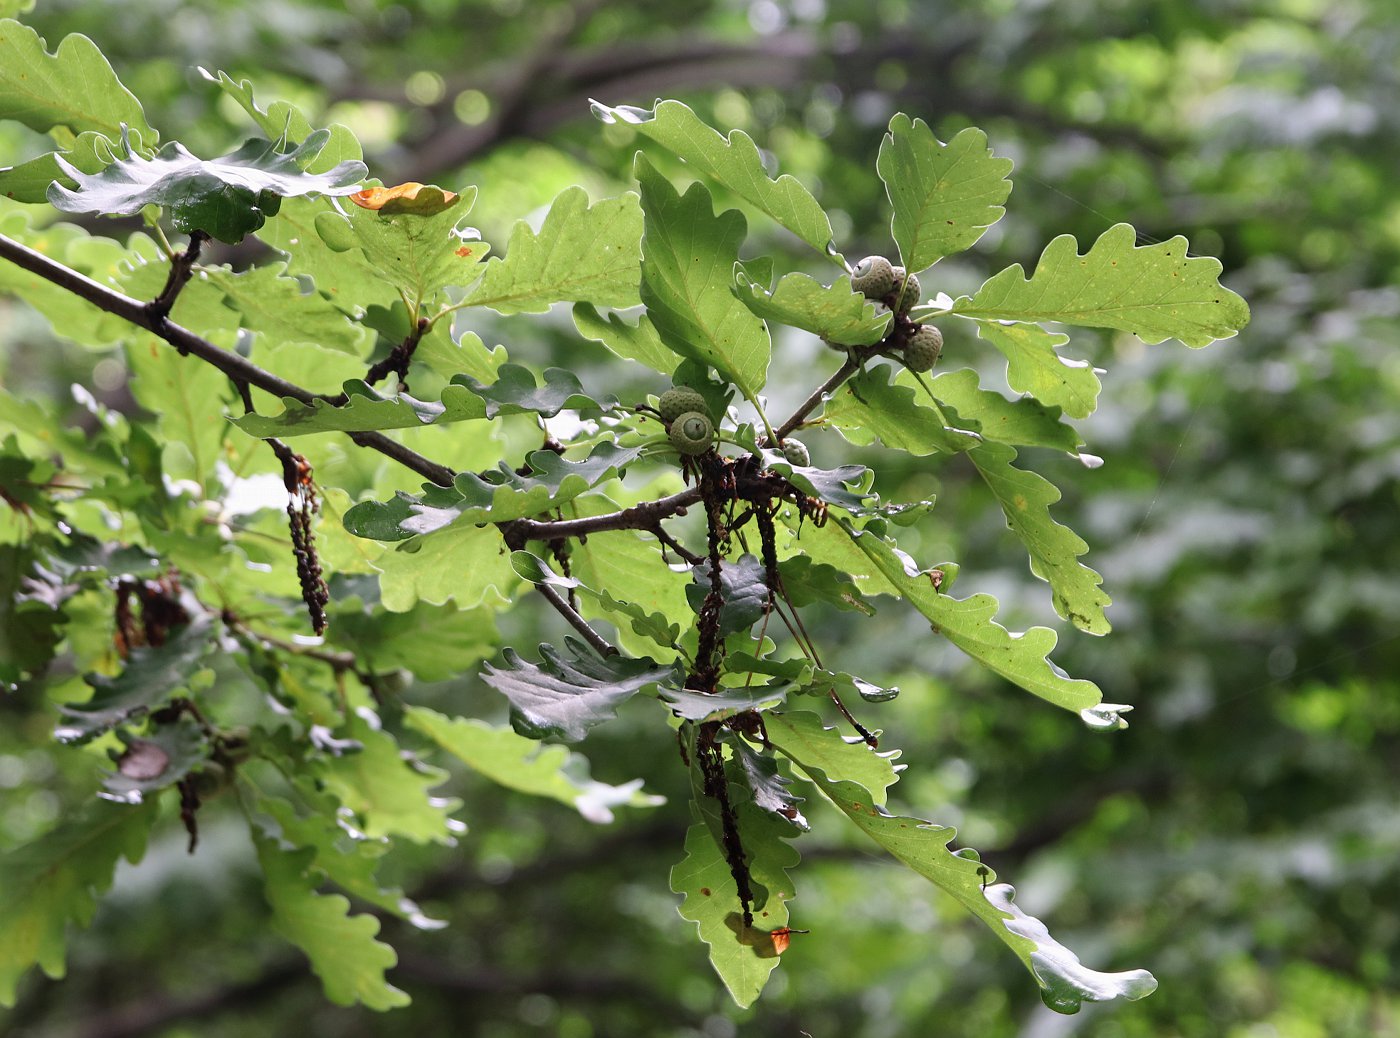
(412, 197)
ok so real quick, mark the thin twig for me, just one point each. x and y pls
(565, 610)
(676, 546)
(185, 341)
(181, 267)
(845, 371)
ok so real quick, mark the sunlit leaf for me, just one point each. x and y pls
(743, 956)
(639, 342)
(348, 861)
(968, 622)
(582, 253)
(834, 313)
(341, 946)
(283, 120)
(945, 196)
(1033, 366)
(1025, 499)
(388, 795)
(527, 766)
(687, 258)
(800, 736)
(871, 406)
(1065, 983)
(74, 87)
(1154, 291)
(733, 162)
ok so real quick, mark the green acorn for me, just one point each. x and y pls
(873, 277)
(796, 452)
(910, 294)
(692, 433)
(924, 347)
(679, 401)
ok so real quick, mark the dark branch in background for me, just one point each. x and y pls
(534, 98)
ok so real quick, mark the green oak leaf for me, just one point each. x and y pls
(347, 861)
(388, 795)
(449, 355)
(464, 399)
(733, 162)
(945, 196)
(29, 182)
(55, 880)
(742, 956)
(802, 676)
(572, 691)
(870, 406)
(1065, 983)
(365, 409)
(688, 255)
(769, 789)
(282, 119)
(968, 623)
(1033, 366)
(465, 565)
(1025, 499)
(381, 641)
(582, 253)
(227, 198)
(188, 400)
(526, 766)
(1025, 422)
(516, 392)
(345, 278)
(723, 703)
(416, 255)
(74, 88)
(621, 560)
(805, 582)
(639, 342)
(503, 495)
(275, 307)
(800, 736)
(150, 678)
(829, 485)
(1155, 291)
(342, 947)
(160, 758)
(30, 628)
(835, 313)
(743, 589)
(70, 317)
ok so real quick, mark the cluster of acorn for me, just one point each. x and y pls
(692, 430)
(877, 278)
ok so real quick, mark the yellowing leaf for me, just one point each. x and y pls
(412, 197)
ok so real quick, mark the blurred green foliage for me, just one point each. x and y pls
(1242, 839)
